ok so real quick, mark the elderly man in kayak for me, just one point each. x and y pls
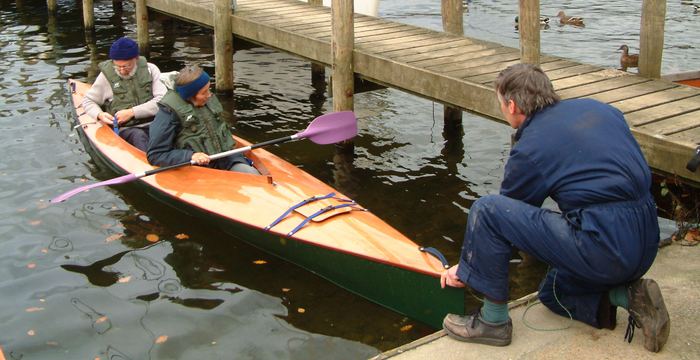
(582, 154)
(125, 93)
(189, 127)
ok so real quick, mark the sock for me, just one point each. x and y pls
(618, 297)
(494, 313)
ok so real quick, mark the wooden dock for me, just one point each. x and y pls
(459, 71)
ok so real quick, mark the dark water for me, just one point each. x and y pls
(111, 275)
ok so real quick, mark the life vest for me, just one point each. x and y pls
(201, 128)
(128, 92)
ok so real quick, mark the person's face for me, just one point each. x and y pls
(124, 67)
(202, 96)
(510, 111)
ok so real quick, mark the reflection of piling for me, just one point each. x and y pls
(651, 38)
(343, 81)
(142, 26)
(318, 71)
(529, 30)
(52, 6)
(223, 46)
(452, 23)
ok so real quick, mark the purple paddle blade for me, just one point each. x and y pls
(331, 128)
(115, 181)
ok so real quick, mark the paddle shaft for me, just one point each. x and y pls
(220, 155)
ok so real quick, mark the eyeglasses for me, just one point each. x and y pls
(128, 66)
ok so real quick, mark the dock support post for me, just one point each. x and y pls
(88, 15)
(142, 25)
(117, 5)
(52, 5)
(453, 23)
(223, 46)
(342, 44)
(651, 38)
(318, 71)
(529, 29)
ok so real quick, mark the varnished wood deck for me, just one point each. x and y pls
(455, 70)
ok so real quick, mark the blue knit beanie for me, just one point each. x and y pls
(124, 49)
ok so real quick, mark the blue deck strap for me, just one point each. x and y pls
(436, 253)
(319, 212)
(300, 204)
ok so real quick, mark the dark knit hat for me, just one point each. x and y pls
(124, 49)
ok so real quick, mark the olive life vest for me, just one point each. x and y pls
(128, 92)
(201, 128)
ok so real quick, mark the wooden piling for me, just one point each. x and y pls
(651, 38)
(529, 29)
(52, 5)
(341, 48)
(117, 5)
(342, 43)
(452, 12)
(88, 15)
(318, 71)
(142, 25)
(223, 46)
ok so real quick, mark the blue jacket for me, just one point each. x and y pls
(582, 154)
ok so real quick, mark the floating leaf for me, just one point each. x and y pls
(301, 310)
(31, 265)
(406, 328)
(35, 222)
(182, 236)
(101, 319)
(33, 309)
(31, 333)
(152, 237)
(113, 237)
(21, 210)
(286, 289)
(52, 343)
(161, 339)
(44, 250)
(124, 279)
(259, 262)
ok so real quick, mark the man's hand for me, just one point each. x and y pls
(449, 278)
(106, 118)
(200, 158)
(124, 115)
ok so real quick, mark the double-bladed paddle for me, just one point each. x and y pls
(325, 129)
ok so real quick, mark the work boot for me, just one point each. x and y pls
(472, 328)
(648, 312)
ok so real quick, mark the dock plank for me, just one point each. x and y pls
(659, 112)
(674, 124)
(654, 98)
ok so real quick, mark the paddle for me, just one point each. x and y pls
(325, 129)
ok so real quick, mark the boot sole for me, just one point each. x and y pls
(657, 331)
(481, 340)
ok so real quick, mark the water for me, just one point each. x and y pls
(112, 275)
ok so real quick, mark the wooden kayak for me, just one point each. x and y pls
(346, 244)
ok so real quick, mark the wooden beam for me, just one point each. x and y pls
(651, 38)
(342, 48)
(529, 29)
(142, 25)
(223, 46)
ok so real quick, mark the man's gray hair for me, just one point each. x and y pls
(528, 86)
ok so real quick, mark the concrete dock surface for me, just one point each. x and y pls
(676, 269)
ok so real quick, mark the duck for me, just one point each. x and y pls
(544, 22)
(570, 20)
(696, 8)
(627, 59)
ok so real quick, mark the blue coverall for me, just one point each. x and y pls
(582, 154)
